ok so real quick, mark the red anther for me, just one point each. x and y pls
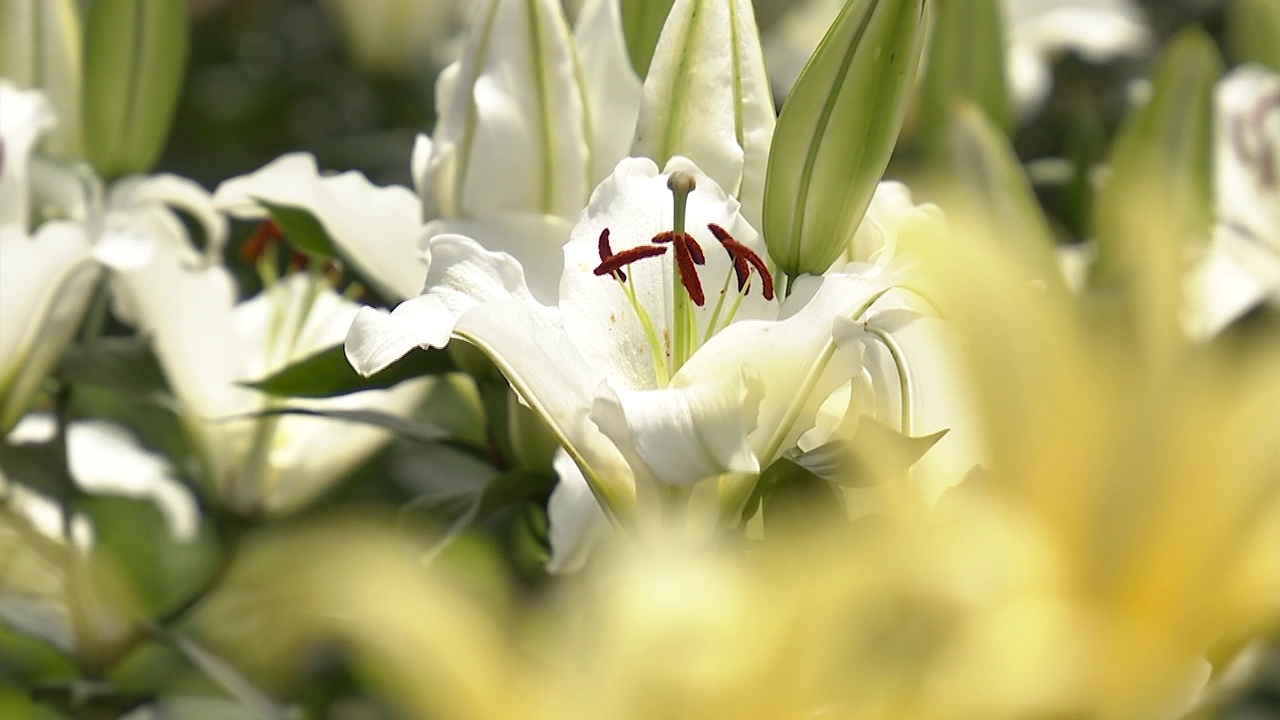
(267, 234)
(741, 256)
(606, 252)
(615, 263)
(689, 273)
(695, 250)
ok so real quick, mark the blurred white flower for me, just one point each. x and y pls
(1035, 31)
(208, 344)
(1241, 266)
(525, 130)
(397, 37)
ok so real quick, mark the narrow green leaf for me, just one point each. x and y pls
(1253, 32)
(301, 229)
(965, 62)
(135, 58)
(837, 131)
(328, 374)
(642, 22)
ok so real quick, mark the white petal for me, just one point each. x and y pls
(377, 338)
(576, 521)
(612, 88)
(689, 93)
(535, 241)
(133, 194)
(799, 360)
(25, 116)
(512, 134)
(418, 168)
(1247, 154)
(105, 458)
(1234, 276)
(46, 283)
(376, 228)
(683, 435)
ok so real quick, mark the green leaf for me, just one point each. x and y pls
(328, 374)
(123, 364)
(837, 131)
(794, 497)
(642, 22)
(135, 58)
(301, 229)
(1253, 32)
(965, 62)
(985, 174)
(132, 536)
(39, 466)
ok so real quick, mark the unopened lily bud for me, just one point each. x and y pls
(41, 48)
(513, 129)
(135, 58)
(1253, 32)
(838, 129)
(965, 62)
(707, 98)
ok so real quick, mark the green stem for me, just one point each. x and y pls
(681, 184)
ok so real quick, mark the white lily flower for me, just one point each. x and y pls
(648, 377)
(208, 344)
(46, 277)
(530, 119)
(1035, 30)
(1241, 267)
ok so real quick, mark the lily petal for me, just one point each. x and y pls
(512, 109)
(376, 228)
(534, 241)
(683, 435)
(613, 90)
(25, 116)
(46, 283)
(707, 97)
(576, 520)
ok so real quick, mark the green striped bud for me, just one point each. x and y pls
(135, 59)
(838, 129)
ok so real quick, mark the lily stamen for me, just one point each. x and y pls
(688, 255)
(612, 263)
(743, 259)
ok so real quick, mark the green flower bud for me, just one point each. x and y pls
(135, 58)
(837, 131)
(41, 49)
(965, 61)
